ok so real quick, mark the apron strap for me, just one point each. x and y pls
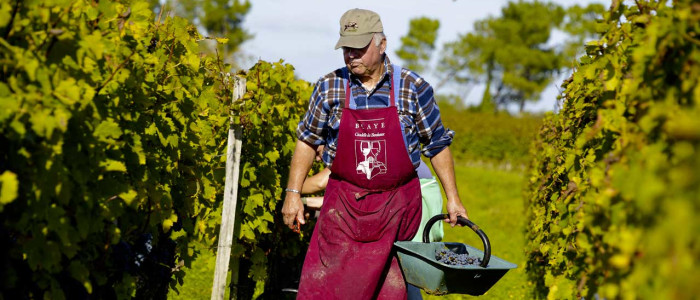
(395, 83)
(349, 100)
(395, 86)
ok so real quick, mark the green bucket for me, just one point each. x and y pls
(420, 268)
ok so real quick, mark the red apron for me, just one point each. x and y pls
(372, 199)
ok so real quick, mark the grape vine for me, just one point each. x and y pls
(273, 105)
(112, 127)
(613, 190)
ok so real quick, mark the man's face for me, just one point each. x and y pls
(364, 61)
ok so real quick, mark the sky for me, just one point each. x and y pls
(303, 33)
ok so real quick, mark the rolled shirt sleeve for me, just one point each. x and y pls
(312, 127)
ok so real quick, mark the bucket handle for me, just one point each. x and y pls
(462, 221)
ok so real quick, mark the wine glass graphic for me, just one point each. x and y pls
(370, 150)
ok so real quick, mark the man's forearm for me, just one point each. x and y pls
(445, 170)
(316, 183)
(301, 163)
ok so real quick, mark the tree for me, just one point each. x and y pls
(418, 44)
(512, 54)
(215, 19)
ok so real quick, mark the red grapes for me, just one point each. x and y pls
(448, 257)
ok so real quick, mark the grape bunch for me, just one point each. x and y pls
(448, 257)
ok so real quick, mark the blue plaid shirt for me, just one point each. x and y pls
(418, 112)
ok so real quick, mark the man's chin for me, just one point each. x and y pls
(354, 69)
(357, 71)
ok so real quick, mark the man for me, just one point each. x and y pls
(369, 106)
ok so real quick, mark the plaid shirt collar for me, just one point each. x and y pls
(388, 72)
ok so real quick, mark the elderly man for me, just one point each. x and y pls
(373, 117)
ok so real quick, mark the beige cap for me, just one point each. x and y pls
(357, 27)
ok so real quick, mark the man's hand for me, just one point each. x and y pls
(293, 211)
(454, 209)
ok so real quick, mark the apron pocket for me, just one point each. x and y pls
(369, 216)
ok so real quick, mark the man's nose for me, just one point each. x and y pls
(352, 52)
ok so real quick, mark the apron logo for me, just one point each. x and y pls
(372, 159)
(352, 26)
(368, 125)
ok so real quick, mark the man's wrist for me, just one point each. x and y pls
(454, 199)
(289, 190)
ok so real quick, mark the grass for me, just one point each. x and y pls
(493, 199)
(199, 278)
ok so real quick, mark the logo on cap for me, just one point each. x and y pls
(351, 25)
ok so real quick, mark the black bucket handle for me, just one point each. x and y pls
(462, 221)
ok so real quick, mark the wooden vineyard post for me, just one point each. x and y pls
(228, 215)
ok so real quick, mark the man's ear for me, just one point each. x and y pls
(382, 47)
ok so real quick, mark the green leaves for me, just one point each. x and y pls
(627, 140)
(8, 188)
(81, 273)
(108, 130)
(113, 165)
(221, 19)
(105, 118)
(5, 14)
